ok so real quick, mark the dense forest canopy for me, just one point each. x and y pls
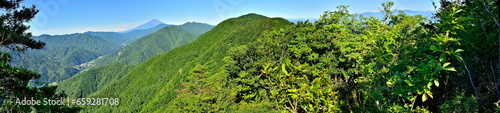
(348, 62)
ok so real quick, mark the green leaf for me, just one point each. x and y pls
(458, 50)
(446, 64)
(292, 90)
(433, 48)
(456, 56)
(409, 97)
(409, 83)
(427, 89)
(449, 69)
(284, 69)
(420, 91)
(442, 58)
(316, 86)
(429, 93)
(294, 96)
(389, 83)
(436, 82)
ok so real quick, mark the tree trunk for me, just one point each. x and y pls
(495, 80)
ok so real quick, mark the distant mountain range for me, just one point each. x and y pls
(424, 13)
(125, 38)
(147, 25)
(67, 55)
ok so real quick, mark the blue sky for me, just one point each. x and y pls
(76, 16)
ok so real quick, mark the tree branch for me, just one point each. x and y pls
(470, 78)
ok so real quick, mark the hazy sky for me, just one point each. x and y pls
(72, 16)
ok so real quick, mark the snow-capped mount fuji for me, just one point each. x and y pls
(150, 24)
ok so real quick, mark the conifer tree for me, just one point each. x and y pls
(13, 80)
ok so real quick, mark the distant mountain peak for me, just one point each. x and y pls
(150, 24)
(154, 21)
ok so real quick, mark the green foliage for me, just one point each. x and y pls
(13, 27)
(38, 93)
(62, 56)
(92, 80)
(298, 90)
(198, 94)
(149, 46)
(196, 28)
(375, 65)
(14, 80)
(154, 82)
(83, 41)
(497, 109)
(418, 65)
(460, 103)
(342, 62)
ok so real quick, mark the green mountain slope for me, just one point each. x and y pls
(93, 80)
(50, 69)
(152, 85)
(139, 51)
(155, 44)
(83, 41)
(72, 55)
(60, 58)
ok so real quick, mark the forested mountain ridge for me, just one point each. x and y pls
(84, 41)
(155, 44)
(196, 28)
(154, 82)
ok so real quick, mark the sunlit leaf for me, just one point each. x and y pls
(449, 69)
(424, 97)
(436, 82)
(446, 64)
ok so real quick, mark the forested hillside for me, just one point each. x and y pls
(155, 44)
(342, 62)
(61, 56)
(154, 82)
(93, 80)
(196, 28)
(83, 41)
